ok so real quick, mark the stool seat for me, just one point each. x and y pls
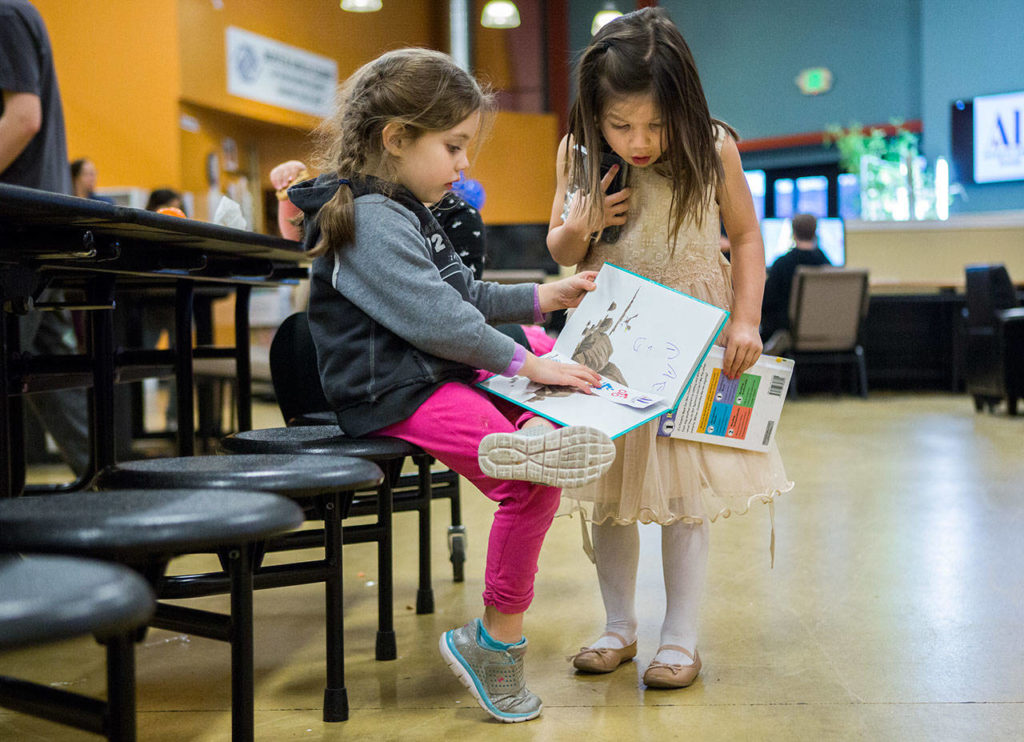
(127, 524)
(316, 439)
(48, 598)
(291, 475)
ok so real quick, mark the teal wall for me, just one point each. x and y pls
(964, 55)
(905, 59)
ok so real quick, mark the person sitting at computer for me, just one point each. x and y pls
(805, 251)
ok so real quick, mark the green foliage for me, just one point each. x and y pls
(856, 141)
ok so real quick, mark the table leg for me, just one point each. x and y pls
(183, 367)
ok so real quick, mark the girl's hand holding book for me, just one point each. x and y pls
(742, 347)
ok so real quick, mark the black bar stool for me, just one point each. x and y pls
(49, 598)
(322, 485)
(389, 454)
(145, 529)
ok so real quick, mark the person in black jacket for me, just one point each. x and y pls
(777, 288)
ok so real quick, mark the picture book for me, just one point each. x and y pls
(644, 339)
(740, 413)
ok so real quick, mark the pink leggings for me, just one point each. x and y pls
(449, 426)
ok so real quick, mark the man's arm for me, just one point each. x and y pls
(21, 120)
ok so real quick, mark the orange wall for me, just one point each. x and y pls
(118, 76)
(516, 166)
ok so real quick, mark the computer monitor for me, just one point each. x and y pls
(778, 239)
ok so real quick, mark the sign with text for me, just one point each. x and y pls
(268, 71)
(999, 137)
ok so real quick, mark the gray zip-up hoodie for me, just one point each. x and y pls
(395, 314)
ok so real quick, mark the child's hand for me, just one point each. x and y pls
(284, 174)
(742, 347)
(568, 292)
(615, 208)
(546, 371)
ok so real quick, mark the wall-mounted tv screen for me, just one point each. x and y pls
(778, 239)
(987, 138)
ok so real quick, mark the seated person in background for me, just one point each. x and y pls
(83, 180)
(777, 288)
(164, 198)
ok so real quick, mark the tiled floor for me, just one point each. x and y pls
(894, 612)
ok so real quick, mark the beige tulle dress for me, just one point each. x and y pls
(665, 480)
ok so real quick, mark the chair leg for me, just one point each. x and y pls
(425, 594)
(335, 694)
(386, 649)
(120, 722)
(862, 372)
(1011, 405)
(457, 536)
(242, 683)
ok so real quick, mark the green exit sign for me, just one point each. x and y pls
(814, 81)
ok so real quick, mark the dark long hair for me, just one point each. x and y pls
(643, 53)
(420, 89)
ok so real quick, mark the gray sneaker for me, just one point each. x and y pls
(563, 457)
(494, 677)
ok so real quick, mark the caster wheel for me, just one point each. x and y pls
(457, 552)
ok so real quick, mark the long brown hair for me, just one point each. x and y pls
(420, 89)
(643, 53)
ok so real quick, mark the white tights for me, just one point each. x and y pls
(684, 556)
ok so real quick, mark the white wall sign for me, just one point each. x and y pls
(269, 71)
(999, 137)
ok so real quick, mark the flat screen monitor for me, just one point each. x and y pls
(987, 138)
(778, 239)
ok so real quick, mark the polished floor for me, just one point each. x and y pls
(894, 611)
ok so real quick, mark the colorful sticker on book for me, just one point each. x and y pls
(718, 420)
(739, 421)
(746, 392)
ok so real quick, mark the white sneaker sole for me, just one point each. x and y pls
(464, 676)
(563, 457)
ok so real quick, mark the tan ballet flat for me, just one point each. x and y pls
(661, 675)
(604, 659)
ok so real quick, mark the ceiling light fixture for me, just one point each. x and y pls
(500, 14)
(361, 6)
(603, 16)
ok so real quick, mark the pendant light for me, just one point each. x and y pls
(500, 14)
(361, 6)
(603, 16)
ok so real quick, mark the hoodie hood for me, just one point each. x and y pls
(310, 195)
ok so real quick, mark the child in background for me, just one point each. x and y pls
(641, 98)
(401, 329)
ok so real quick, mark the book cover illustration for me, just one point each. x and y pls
(739, 413)
(644, 339)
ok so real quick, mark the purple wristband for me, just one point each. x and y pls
(518, 359)
(538, 316)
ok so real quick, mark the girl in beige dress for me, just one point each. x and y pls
(640, 98)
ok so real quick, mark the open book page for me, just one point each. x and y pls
(644, 339)
(740, 413)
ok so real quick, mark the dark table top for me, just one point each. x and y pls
(54, 231)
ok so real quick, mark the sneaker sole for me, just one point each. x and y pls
(467, 678)
(564, 457)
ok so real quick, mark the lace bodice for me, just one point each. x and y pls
(693, 265)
